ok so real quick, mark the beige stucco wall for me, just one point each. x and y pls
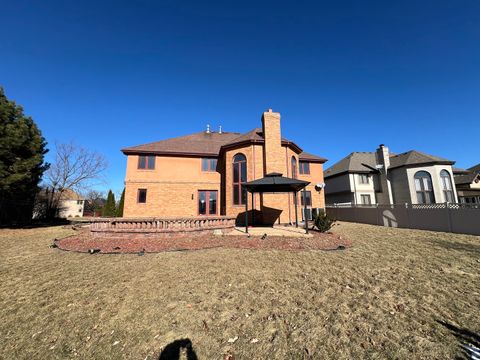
(362, 189)
(434, 171)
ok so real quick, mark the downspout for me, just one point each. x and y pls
(354, 190)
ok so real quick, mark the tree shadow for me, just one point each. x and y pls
(173, 350)
(468, 341)
(450, 245)
(36, 224)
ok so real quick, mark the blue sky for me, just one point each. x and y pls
(345, 75)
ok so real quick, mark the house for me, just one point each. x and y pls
(71, 204)
(467, 183)
(203, 174)
(384, 178)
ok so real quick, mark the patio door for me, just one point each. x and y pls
(207, 202)
(308, 210)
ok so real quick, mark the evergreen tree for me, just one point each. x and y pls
(22, 150)
(109, 208)
(120, 205)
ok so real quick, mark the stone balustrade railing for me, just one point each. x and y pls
(160, 225)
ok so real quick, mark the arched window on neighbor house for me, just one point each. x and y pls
(293, 162)
(423, 187)
(447, 186)
(239, 178)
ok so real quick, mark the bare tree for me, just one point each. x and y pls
(74, 168)
(94, 201)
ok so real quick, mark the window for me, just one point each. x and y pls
(239, 178)
(363, 178)
(146, 162)
(207, 202)
(79, 202)
(366, 200)
(142, 196)
(423, 187)
(293, 162)
(447, 186)
(209, 164)
(308, 195)
(304, 167)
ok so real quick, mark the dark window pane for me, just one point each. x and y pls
(212, 209)
(151, 162)
(142, 195)
(235, 173)
(141, 162)
(204, 164)
(243, 177)
(202, 203)
(244, 196)
(308, 195)
(213, 164)
(236, 194)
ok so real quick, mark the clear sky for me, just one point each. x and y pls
(345, 75)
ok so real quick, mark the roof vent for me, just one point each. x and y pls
(220, 129)
(208, 129)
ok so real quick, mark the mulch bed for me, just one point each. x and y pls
(83, 242)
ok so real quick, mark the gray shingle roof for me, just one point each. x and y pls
(465, 179)
(475, 168)
(356, 162)
(414, 157)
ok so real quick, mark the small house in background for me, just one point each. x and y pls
(71, 205)
(467, 183)
(366, 178)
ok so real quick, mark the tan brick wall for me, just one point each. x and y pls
(172, 187)
(274, 154)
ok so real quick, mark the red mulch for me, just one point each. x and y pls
(83, 242)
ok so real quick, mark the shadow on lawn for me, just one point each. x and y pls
(173, 350)
(469, 342)
(450, 245)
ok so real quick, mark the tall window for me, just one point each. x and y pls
(308, 196)
(146, 162)
(209, 164)
(239, 178)
(293, 162)
(423, 186)
(207, 202)
(304, 168)
(447, 186)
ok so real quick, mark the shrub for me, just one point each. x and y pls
(323, 222)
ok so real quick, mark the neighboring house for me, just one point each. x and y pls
(202, 174)
(467, 183)
(384, 178)
(71, 205)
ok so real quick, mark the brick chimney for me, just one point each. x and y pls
(274, 159)
(383, 157)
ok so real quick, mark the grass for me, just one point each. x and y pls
(381, 299)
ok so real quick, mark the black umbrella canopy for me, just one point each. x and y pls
(275, 182)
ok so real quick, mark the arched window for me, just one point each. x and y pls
(447, 186)
(423, 186)
(239, 178)
(294, 167)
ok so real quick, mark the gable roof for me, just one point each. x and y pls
(414, 157)
(355, 162)
(211, 144)
(465, 179)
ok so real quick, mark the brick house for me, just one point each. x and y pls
(202, 174)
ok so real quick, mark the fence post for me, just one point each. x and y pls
(449, 217)
(408, 215)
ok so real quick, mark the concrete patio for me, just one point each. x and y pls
(277, 230)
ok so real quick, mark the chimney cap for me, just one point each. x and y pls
(381, 145)
(270, 110)
(220, 129)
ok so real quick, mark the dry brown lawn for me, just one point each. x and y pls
(381, 299)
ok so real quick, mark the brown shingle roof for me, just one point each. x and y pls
(475, 168)
(465, 179)
(200, 143)
(210, 144)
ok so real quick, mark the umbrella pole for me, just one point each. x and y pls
(246, 214)
(296, 211)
